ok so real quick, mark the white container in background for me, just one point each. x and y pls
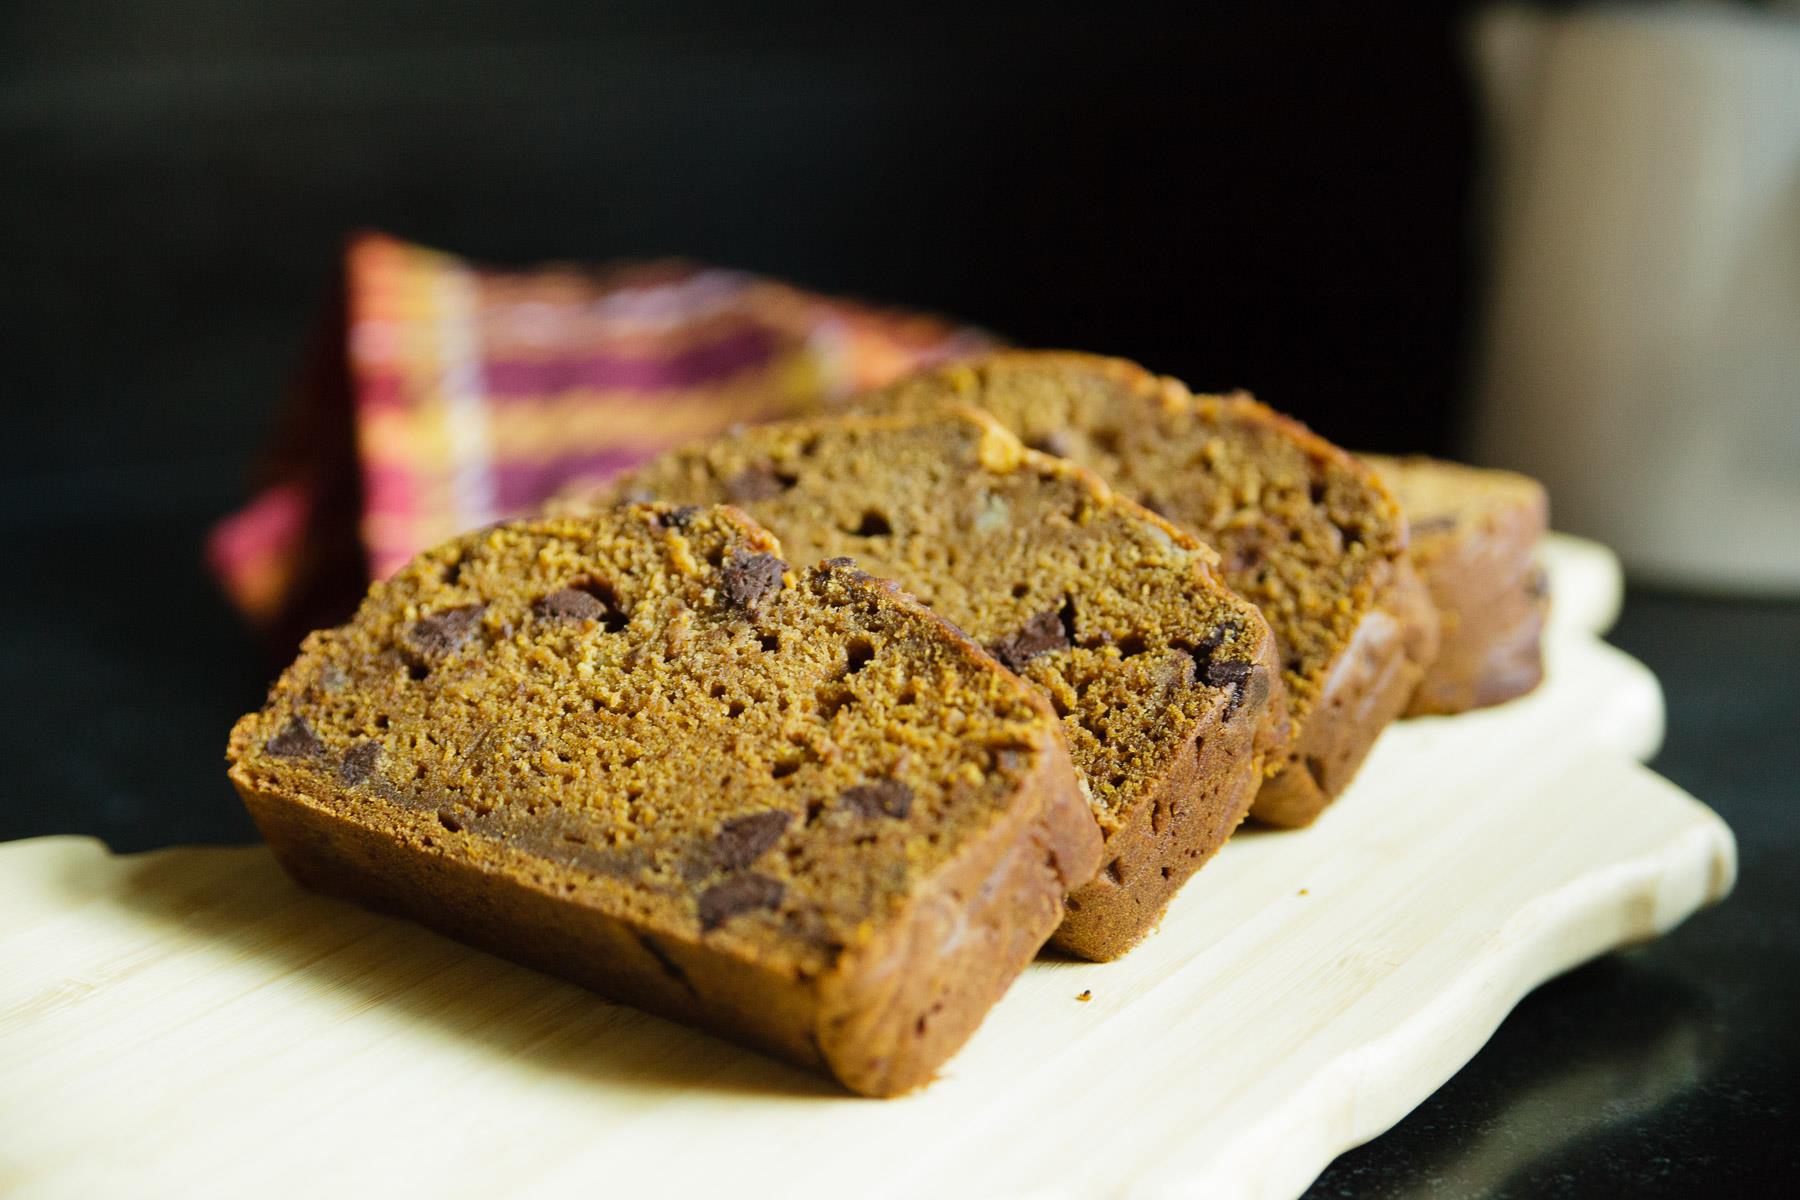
(1641, 353)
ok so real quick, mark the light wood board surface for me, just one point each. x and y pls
(189, 1023)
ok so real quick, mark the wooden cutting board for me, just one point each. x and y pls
(188, 1023)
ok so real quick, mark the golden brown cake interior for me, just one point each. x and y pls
(1113, 613)
(1304, 530)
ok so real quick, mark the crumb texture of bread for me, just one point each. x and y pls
(1166, 682)
(1475, 536)
(637, 749)
(1304, 530)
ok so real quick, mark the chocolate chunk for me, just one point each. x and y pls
(677, 518)
(884, 797)
(296, 740)
(743, 840)
(1055, 442)
(1226, 672)
(1040, 635)
(359, 763)
(442, 632)
(744, 893)
(1221, 672)
(570, 604)
(845, 564)
(748, 579)
(756, 483)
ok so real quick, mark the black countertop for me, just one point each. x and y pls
(1668, 1070)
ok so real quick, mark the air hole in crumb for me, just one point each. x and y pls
(1132, 644)
(448, 821)
(717, 690)
(769, 642)
(1316, 491)
(860, 651)
(873, 524)
(381, 721)
(1165, 872)
(1106, 439)
(1021, 590)
(919, 1027)
(452, 573)
(1352, 536)
(1114, 873)
(832, 701)
(734, 708)
(786, 767)
(417, 672)
(616, 617)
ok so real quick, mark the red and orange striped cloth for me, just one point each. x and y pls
(450, 395)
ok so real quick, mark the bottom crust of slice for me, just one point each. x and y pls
(880, 1020)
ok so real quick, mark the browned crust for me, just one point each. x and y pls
(1490, 596)
(880, 1019)
(1199, 802)
(1367, 688)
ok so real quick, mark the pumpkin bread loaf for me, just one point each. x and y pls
(1306, 532)
(1167, 683)
(1475, 535)
(639, 751)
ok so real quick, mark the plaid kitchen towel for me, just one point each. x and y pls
(446, 396)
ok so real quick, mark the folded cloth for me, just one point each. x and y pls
(443, 396)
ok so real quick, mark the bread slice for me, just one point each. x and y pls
(1475, 534)
(1306, 532)
(1166, 682)
(638, 751)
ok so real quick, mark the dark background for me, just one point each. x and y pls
(1276, 196)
